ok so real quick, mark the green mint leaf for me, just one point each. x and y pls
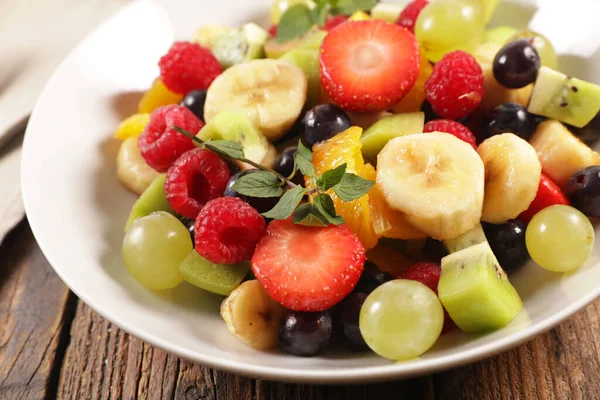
(319, 13)
(305, 166)
(324, 204)
(349, 7)
(307, 214)
(296, 21)
(258, 184)
(321, 3)
(352, 187)
(226, 147)
(331, 178)
(303, 151)
(287, 204)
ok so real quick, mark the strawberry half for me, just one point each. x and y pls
(368, 65)
(548, 194)
(308, 268)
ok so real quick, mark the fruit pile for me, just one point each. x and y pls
(360, 175)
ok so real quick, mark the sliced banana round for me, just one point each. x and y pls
(512, 177)
(252, 316)
(132, 170)
(436, 179)
(560, 152)
(271, 93)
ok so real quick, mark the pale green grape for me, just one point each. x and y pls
(547, 54)
(444, 26)
(488, 6)
(559, 238)
(153, 248)
(499, 35)
(401, 319)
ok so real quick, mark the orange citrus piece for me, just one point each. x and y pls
(413, 100)
(345, 148)
(389, 260)
(132, 126)
(158, 95)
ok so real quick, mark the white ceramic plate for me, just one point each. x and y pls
(77, 208)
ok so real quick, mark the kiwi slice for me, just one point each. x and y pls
(310, 40)
(476, 291)
(567, 99)
(153, 199)
(228, 125)
(467, 239)
(308, 61)
(387, 128)
(388, 12)
(236, 46)
(215, 278)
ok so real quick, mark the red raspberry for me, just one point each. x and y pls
(332, 22)
(227, 230)
(273, 31)
(159, 143)
(455, 87)
(196, 177)
(408, 16)
(429, 275)
(188, 66)
(452, 127)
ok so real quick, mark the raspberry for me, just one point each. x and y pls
(227, 230)
(408, 16)
(188, 66)
(455, 87)
(332, 22)
(196, 177)
(429, 275)
(452, 127)
(159, 143)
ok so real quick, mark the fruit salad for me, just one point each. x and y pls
(364, 175)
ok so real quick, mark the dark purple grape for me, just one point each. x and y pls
(323, 122)
(590, 133)
(194, 101)
(284, 164)
(306, 334)
(516, 65)
(348, 312)
(427, 109)
(260, 204)
(371, 278)
(507, 241)
(508, 117)
(583, 191)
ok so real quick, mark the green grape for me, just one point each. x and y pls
(401, 319)
(559, 238)
(488, 6)
(444, 26)
(499, 35)
(153, 248)
(548, 56)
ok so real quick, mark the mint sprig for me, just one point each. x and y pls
(299, 19)
(269, 183)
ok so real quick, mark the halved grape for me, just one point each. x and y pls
(401, 319)
(559, 238)
(153, 248)
(444, 26)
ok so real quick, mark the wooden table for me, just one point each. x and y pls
(53, 346)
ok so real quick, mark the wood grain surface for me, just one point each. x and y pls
(54, 346)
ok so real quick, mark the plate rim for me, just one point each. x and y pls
(329, 375)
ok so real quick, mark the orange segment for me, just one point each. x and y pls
(413, 100)
(158, 95)
(132, 126)
(389, 260)
(390, 223)
(345, 148)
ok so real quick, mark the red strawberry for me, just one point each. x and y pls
(332, 22)
(308, 268)
(408, 16)
(368, 65)
(548, 194)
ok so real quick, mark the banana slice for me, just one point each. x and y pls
(560, 152)
(251, 315)
(132, 170)
(512, 177)
(271, 93)
(436, 179)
